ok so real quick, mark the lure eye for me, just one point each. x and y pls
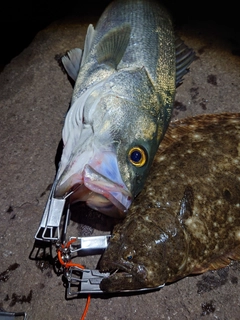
(137, 156)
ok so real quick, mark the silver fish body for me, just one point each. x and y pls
(187, 218)
(121, 105)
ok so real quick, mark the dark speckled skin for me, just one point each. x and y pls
(187, 218)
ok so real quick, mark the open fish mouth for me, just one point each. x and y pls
(99, 192)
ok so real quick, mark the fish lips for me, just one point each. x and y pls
(137, 270)
(126, 276)
(99, 192)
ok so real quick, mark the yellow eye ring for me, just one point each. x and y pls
(137, 156)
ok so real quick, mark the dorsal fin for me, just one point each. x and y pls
(220, 262)
(71, 62)
(184, 57)
(88, 43)
(112, 46)
(225, 259)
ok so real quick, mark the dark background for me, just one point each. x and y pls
(20, 21)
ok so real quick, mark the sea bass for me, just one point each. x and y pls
(125, 82)
(187, 218)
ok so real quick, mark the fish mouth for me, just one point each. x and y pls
(99, 192)
(126, 269)
(117, 269)
(123, 278)
(116, 266)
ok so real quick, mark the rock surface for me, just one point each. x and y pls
(34, 98)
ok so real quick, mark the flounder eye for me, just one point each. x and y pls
(137, 156)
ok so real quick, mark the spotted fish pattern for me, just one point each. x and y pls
(187, 218)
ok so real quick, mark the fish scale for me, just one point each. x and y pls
(146, 48)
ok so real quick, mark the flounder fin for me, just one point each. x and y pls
(220, 262)
(186, 204)
(88, 43)
(182, 127)
(71, 62)
(112, 46)
(184, 57)
(225, 260)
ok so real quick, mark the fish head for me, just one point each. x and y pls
(143, 251)
(109, 144)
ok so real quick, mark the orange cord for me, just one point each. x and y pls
(86, 307)
(71, 264)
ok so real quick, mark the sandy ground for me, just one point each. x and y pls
(34, 98)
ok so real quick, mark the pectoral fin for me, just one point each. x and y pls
(75, 58)
(71, 62)
(112, 46)
(184, 57)
(186, 204)
(88, 43)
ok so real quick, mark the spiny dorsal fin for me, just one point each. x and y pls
(88, 43)
(184, 57)
(71, 62)
(112, 46)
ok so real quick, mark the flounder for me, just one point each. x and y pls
(187, 218)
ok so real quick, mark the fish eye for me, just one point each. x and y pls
(129, 258)
(137, 156)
